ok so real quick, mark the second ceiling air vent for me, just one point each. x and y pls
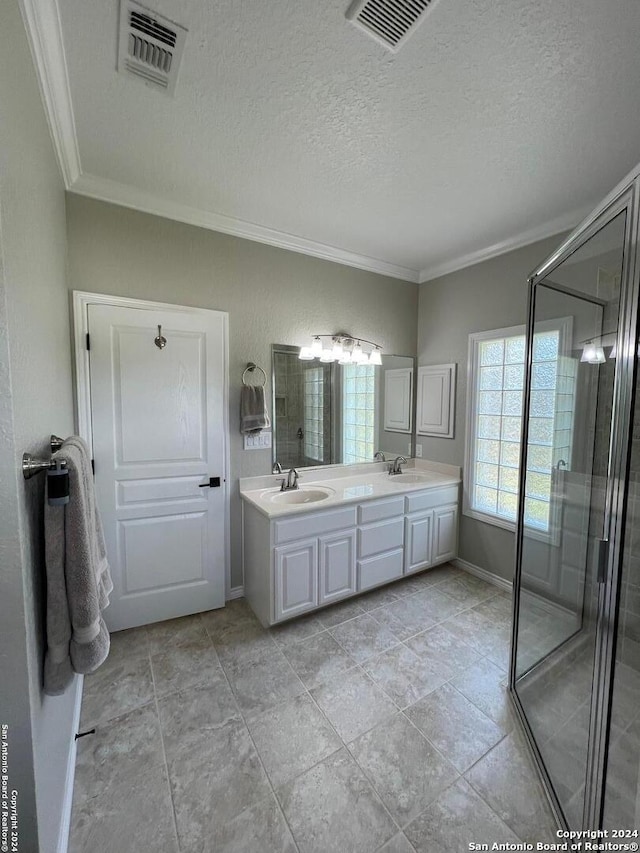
(389, 22)
(150, 45)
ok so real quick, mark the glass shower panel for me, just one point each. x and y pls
(565, 480)
(622, 785)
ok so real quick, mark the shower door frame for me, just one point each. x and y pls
(625, 197)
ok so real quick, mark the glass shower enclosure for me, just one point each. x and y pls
(575, 659)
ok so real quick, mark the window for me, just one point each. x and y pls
(358, 412)
(494, 422)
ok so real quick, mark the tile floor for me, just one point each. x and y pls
(381, 723)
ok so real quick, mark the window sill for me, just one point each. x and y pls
(495, 520)
(505, 524)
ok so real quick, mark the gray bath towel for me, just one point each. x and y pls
(78, 579)
(253, 411)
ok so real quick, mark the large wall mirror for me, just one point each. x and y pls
(326, 414)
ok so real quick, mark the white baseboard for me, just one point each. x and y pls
(67, 803)
(235, 592)
(483, 574)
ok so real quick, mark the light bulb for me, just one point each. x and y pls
(327, 355)
(588, 351)
(357, 356)
(375, 356)
(306, 354)
(316, 346)
(337, 351)
(592, 354)
(346, 357)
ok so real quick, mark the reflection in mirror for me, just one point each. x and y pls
(325, 414)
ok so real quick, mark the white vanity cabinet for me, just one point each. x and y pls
(336, 566)
(445, 533)
(431, 528)
(380, 541)
(296, 578)
(297, 563)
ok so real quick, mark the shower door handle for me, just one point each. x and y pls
(603, 554)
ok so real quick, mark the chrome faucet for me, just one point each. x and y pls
(277, 468)
(379, 456)
(394, 467)
(291, 481)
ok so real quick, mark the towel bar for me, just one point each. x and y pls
(32, 466)
(249, 369)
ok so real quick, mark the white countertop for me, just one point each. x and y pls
(345, 484)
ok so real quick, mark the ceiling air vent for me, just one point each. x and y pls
(389, 22)
(150, 45)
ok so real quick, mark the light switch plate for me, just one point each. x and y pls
(258, 441)
(419, 451)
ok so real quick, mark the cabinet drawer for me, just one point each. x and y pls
(313, 524)
(375, 510)
(431, 499)
(377, 570)
(380, 537)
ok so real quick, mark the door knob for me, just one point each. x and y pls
(214, 483)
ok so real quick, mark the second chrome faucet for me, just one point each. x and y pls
(290, 482)
(394, 467)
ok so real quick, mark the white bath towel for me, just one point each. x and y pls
(78, 579)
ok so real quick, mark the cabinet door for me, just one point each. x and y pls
(417, 542)
(445, 533)
(296, 571)
(398, 394)
(436, 400)
(337, 566)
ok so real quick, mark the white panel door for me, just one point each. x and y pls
(445, 533)
(398, 386)
(159, 444)
(417, 546)
(296, 578)
(337, 566)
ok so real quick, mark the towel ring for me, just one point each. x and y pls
(249, 369)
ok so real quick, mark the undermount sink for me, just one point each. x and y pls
(301, 495)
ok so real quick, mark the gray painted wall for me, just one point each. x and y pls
(272, 296)
(489, 295)
(35, 400)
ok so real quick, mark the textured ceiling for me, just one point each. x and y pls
(498, 118)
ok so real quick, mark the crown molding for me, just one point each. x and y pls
(44, 32)
(114, 192)
(566, 222)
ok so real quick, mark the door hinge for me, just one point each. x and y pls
(88, 341)
(603, 555)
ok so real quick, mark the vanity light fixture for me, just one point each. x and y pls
(592, 354)
(593, 348)
(343, 348)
